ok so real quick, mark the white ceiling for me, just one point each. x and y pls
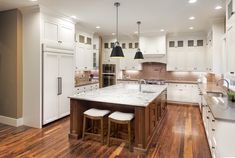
(171, 15)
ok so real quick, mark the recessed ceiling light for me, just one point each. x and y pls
(98, 27)
(218, 7)
(74, 17)
(136, 32)
(191, 28)
(113, 34)
(162, 30)
(191, 18)
(33, 0)
(192, 1)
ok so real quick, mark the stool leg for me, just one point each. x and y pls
(109, 128)
(84, 128)
(129, 135)
(102, 130)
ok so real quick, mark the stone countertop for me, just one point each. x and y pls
(221, 108)
(125, 94)
(167, 81)
(86, 83)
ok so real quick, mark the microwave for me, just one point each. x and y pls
(109, 68)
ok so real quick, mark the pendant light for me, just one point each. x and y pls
(139, 54)
(117, 50)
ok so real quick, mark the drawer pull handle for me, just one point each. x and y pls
(208, 117)
(213, 120)
(213, 129)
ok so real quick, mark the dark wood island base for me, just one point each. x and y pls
(148, 120)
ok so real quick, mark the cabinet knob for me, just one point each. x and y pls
(59, 41)
(213, 147)
(213, 129)
(208, 117)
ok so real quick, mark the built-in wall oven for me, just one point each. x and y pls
(108, 75)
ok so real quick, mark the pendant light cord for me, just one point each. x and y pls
(117, 5)
(138, 22)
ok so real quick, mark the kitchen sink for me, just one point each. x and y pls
(215, 94)
(148, 92)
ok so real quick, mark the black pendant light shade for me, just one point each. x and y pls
(117, 51)
(139, 55)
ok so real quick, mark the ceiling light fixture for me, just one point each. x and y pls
(218, 7)
(113, 33)
(162, 30)
(191, 18)
(192, 1)
(117, 50)
(191, 28)
(74, 17)
(139, 54)
(33, 0)
(98, 27)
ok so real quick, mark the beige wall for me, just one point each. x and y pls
(11, 63)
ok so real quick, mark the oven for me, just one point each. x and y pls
(109, 68)
(109, 79)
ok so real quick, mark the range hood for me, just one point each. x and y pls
(153, 46)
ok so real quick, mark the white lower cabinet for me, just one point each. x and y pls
(58, 83)
(220, 134)
(86, 88)
(127, 82)
(185, 93)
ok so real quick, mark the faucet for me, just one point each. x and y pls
(225, 81)
(140, 84)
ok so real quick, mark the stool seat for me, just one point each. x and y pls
(96, 112)
(120, 116)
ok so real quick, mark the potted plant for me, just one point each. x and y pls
(231, 96)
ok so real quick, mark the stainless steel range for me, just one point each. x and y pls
(156, 82)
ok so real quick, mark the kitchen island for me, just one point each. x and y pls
(148, 106)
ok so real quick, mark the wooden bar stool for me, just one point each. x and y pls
(120, 118)
(94, 114)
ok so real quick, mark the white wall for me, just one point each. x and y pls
(32, 67)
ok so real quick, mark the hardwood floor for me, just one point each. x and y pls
(182, 137)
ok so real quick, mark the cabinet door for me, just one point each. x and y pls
(51, 32)
(66, 68)
(231, 48)
(66, 35)
(80, 57)
(50, 87)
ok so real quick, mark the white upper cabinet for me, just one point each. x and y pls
(186, 53)
(51, 31)
(230, 47)
(84, 51)
(58, 32)
(153, 45)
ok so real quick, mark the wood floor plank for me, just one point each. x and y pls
(182, 136)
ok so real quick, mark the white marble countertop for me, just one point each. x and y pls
(126, 94)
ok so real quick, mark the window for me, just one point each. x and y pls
(88, 40)
(180, 43)
(112, 44)
(123, 45)
(106, 45)
(130, 45)
(190, 43)
(81, 39)
(94, 46)
(94, 60)
(172, 44)
(136, 45)
(199, 43)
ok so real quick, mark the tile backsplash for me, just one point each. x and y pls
(153, 70)
(85, 76)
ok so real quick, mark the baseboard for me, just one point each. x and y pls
(11, 121)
